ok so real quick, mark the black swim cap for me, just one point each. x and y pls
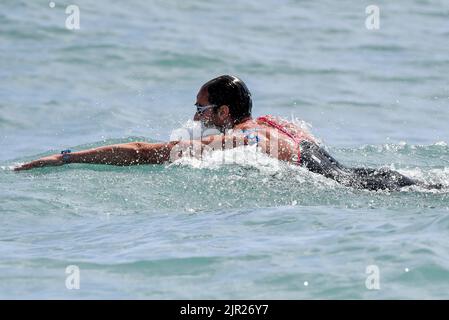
(230, 91)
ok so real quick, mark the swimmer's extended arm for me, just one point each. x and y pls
(119, 154)
(125, 154)
(136, 153)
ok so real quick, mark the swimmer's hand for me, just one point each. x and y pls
(53, 160)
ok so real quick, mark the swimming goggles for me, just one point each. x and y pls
(201, 109)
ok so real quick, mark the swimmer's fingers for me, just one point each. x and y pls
(25, 166)
(55, 160)
(29, 165)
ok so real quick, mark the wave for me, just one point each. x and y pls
(404, 147)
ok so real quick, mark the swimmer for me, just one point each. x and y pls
(224, 103)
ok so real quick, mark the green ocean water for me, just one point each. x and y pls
(206, 229)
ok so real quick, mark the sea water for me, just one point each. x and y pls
(223, 229)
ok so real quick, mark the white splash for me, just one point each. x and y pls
(304, 126)
(9, 168)
(192, 130)
(243, 156)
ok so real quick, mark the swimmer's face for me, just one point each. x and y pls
(210, 117)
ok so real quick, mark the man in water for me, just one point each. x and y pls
(224, 103)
